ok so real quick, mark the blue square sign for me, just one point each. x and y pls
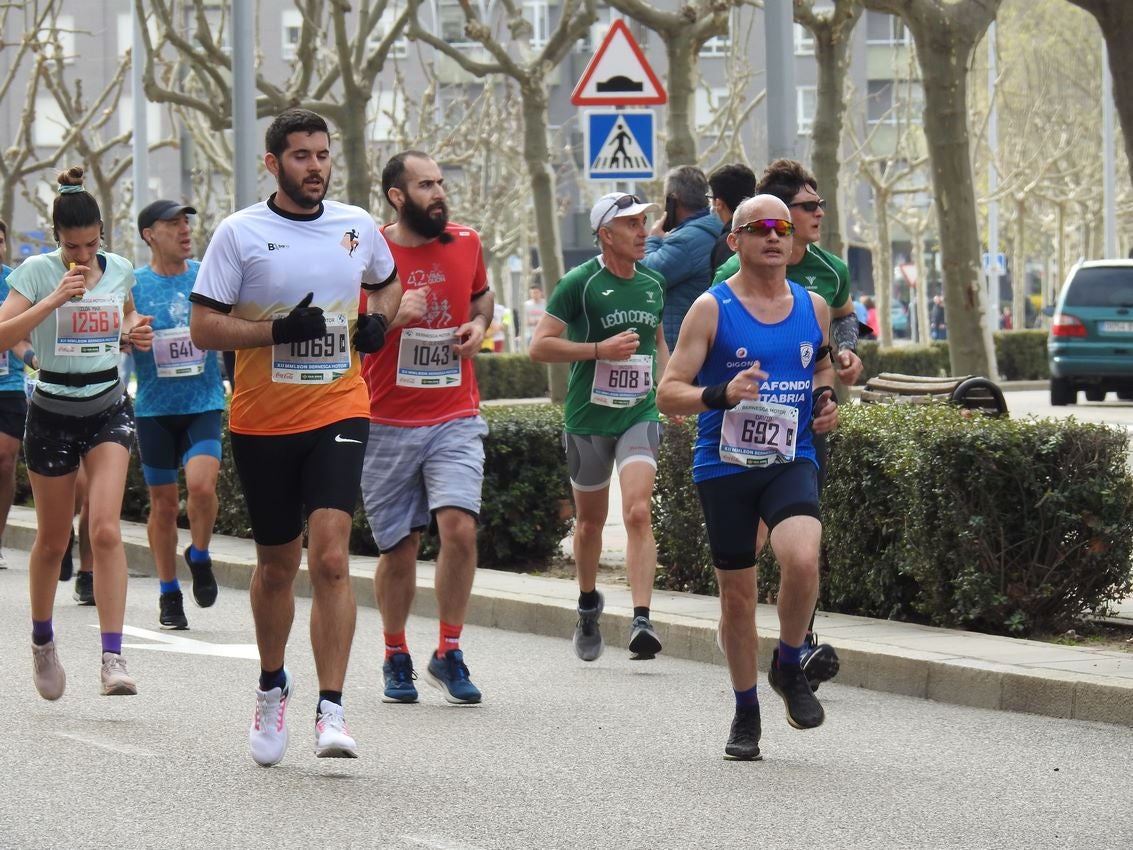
(619, 145)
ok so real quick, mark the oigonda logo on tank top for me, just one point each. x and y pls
(628, 317)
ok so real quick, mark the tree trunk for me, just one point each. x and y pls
(1019, 268)
(351, 122)
(681, 145)
(1115, 17)
(883, 271)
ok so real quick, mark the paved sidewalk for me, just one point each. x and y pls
(940, 664)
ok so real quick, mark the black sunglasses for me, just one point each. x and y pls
(622, 203)
(811, 206)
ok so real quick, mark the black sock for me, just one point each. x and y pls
(641, 611)
(272, 679)
(329, 696)
(588, 600)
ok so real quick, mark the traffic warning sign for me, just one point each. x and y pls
(618, 74)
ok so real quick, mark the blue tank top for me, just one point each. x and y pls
(785, 350)
(13, 379)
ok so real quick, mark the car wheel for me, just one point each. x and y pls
(1061, 393)
(1095, 394)
(1125, 395)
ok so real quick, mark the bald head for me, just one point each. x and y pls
(757, 207)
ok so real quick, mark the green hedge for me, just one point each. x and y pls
(931, 515)
(1020, 356)
(510, 376)
(525, 512)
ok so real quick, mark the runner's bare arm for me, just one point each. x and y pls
(549, 346)
(214, 330)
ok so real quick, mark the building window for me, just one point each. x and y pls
(49, 127)
(385, 105)
(59, 40)
(537, 14)
(804, 41)
(291, 26)
(400, 47)
(885, 29)
(893, 102)
(807, 105)
(451, 22)
(708, 101)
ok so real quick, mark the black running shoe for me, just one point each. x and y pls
(820, 661)
(803, 708)
(67, 565)
(171, 610)
(643, 640)
(84, 588)
(743, 739)
(204, 582)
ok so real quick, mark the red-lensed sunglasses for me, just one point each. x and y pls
(763, 226)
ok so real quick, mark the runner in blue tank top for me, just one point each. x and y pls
(179, 408)
(757, 347)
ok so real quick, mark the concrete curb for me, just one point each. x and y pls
(949, 666)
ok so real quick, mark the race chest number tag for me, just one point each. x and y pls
(313, 361)
(622, 383)
(175, 354)
(425, 358)
(759, 433)
(88, 327)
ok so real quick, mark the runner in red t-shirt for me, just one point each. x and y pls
(425, 456)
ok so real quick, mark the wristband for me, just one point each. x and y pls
(715, 397)
(29, 356)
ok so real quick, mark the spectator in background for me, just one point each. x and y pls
(860, 309)
(729, 184)
(1005, 322)
(937, 324)
(533, 310)
(680, 245)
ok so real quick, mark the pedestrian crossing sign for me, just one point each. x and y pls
(619, 144)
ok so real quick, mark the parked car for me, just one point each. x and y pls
(1090, 346)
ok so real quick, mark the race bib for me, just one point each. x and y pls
(425, 358)
(313, 361)
(622, 383)
(88, 327)
(175, 354)
(759, 433)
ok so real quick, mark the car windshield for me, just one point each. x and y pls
(1101, 286)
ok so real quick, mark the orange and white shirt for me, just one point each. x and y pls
(260, 263)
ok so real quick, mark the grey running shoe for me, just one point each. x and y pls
(171, 610)
(803, 708)
(84, 588)
(743, 739)
(588, 643)
(50, 680)
(115, 680)
(643, 641)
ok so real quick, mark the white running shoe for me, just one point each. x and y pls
(268, 735)
(332, 737)
(115, 680)
(3, 561)
(50, 680)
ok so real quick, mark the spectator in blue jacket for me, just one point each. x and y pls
(680, 244)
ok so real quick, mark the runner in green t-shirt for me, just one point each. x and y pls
(604, 318)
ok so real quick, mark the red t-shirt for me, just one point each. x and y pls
(454, 273)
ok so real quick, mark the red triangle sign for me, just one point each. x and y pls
(618, 74)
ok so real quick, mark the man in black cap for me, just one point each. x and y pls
(179, 405)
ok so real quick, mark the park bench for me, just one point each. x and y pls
(971, 392)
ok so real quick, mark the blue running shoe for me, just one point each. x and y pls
(399, 674)
(451, 676)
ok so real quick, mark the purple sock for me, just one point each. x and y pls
(42, 632)
(748, 698)
(790, 655)
(112, 642)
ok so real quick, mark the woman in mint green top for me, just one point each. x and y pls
(75, 305)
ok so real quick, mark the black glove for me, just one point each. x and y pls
(370, 333)
(304, 322)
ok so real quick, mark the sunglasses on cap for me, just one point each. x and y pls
(763, 226)
(622, 203)
(810, 206)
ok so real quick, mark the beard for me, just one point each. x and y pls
(306, 197)
(424, 221)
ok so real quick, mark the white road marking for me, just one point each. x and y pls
(112, 746)
(439, 843)
(169, 642)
